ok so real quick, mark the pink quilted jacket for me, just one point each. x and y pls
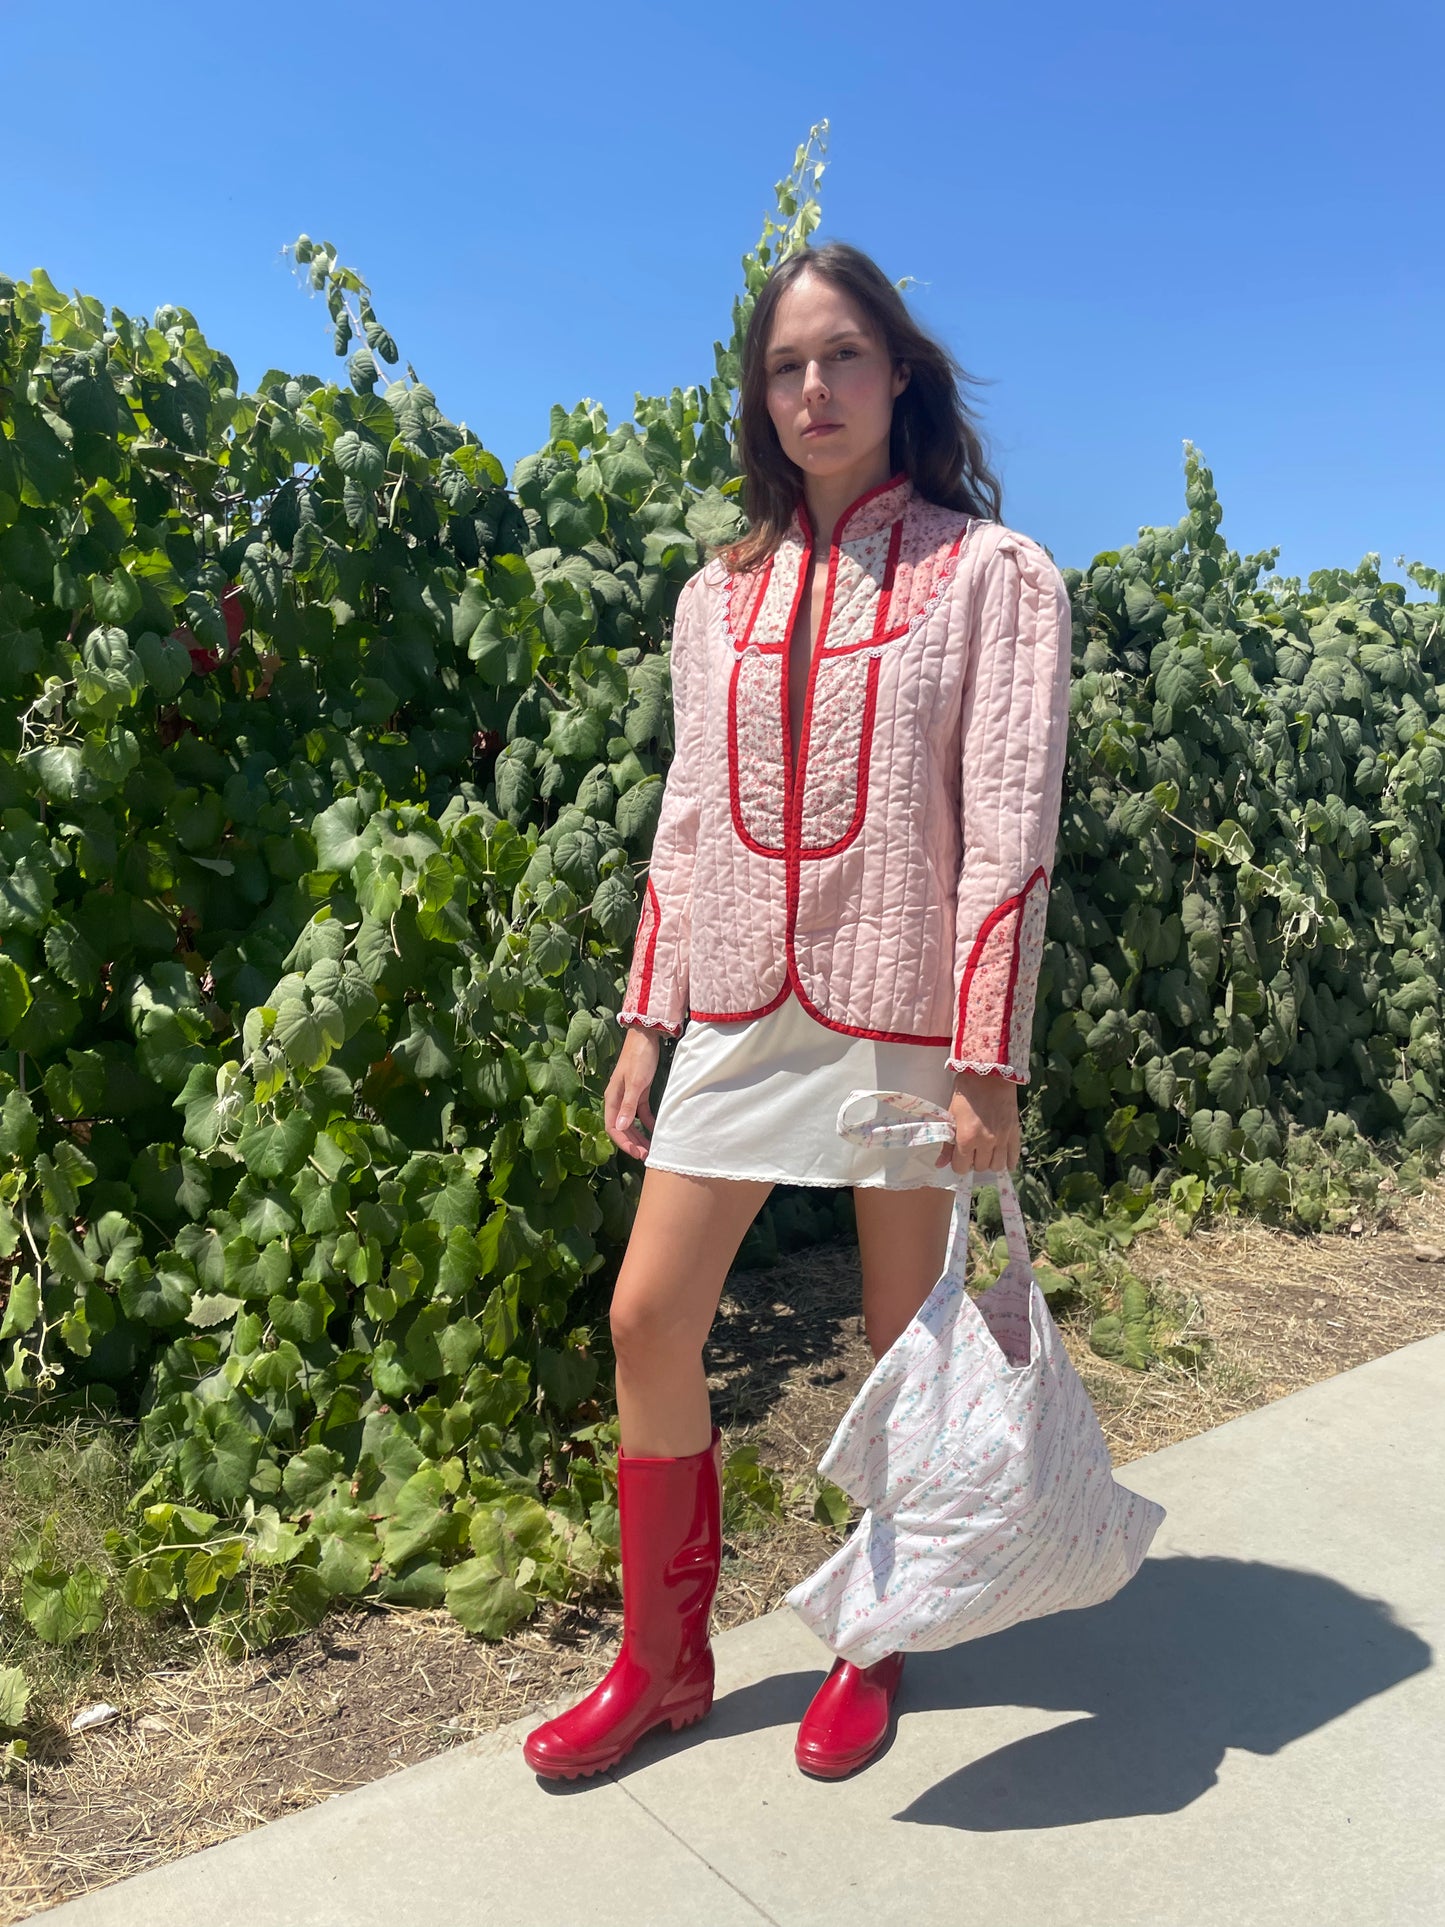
(896, 880)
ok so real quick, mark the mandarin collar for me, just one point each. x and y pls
(876, 508)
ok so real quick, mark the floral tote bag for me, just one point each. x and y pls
(989, 1491)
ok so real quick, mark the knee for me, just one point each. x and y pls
(643, 1334)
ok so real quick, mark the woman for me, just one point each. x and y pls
(846, 891)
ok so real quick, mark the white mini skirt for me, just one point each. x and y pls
(760, 1099)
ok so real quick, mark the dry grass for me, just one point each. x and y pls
(206, 1748)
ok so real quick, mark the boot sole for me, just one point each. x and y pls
(824, 1769)
(675, 1720)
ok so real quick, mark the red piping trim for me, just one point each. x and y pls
(738, 1016)
(890, 568)
(1009, 904)
(793, 984)
(804, 566)
(850, 1030)
(868, 494)
(860, 787)
(650, 908)
(757, 604)
(1013, 976)
(735, 801)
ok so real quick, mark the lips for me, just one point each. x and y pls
(822, 428)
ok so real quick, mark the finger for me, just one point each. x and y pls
(978, 1155)
(623, 1130)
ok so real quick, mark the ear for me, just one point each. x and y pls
(901, 376)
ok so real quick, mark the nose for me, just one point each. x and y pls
(814, 386)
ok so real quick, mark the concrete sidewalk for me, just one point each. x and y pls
(1251, 1733)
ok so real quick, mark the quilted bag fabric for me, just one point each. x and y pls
(989, 1491)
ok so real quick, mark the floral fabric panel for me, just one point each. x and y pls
(996, 998)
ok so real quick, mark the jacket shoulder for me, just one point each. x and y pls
(692, 599)
(993, 539)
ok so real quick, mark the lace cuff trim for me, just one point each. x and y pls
(650, 1023)
(988, 1070)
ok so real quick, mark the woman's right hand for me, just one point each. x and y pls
(628, 1094)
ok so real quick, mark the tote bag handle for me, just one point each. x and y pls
(917, 1121)
(897, 1395)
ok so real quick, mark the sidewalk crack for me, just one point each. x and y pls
(687, 1845)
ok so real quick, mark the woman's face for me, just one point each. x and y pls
(831, 387)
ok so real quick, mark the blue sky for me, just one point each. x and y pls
(1141, 224)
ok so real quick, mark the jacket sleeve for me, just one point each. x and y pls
(656, 996)
(1014, 751)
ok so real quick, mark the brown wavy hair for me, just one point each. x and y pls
(933, 440)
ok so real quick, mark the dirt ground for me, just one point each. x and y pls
(205, 1750)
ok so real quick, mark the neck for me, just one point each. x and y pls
(827, 497)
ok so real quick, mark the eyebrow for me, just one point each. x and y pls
(843, 334)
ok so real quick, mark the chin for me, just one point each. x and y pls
(822, 458)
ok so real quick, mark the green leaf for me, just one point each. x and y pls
(157, 1297)
(500, 1317)
(566, 1377)
(359, 458)
(1210, 1131)
(208, 1566)
(19, 1127)
(63, 1605)
(1228, 1080)
(59, 770)
(275, 1148)
(309, 1032)
(267, 1216)
(380, 340)
(1161, 1081)
(832, 1506)
(638, 809)
(418, 1517)
(342, 833)
(508, 1531)
(713, 520)
(750, 1487)
(166, 662)
(484, 1599)
(110, 675)
(22, 1309)
(14, 1697)
(14, 995)
(495, 1398)
(116, 597)
(347, 1560)
(213, 1308)
(303, 1318)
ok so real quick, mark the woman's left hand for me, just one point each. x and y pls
(987, 1135)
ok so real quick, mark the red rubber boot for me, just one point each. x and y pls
(670, 1516)
(849, 1718)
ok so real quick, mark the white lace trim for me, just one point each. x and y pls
(944, 1181)
(650, 1023)
(987, 1070)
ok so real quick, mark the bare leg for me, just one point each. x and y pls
(683, 1241)
(902, 1241)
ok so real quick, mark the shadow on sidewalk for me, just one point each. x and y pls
(1194, 1656)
